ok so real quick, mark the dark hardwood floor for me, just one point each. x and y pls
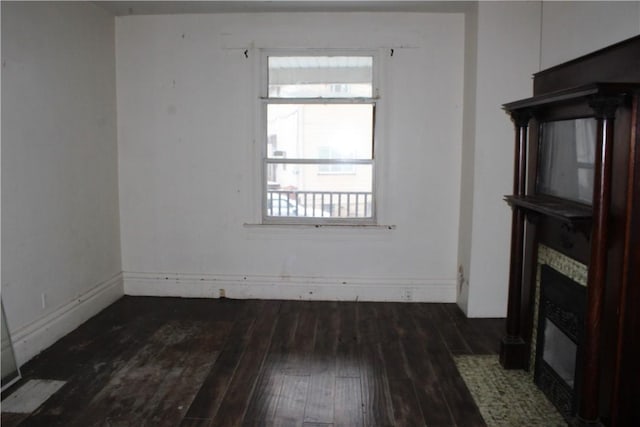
(186, 362)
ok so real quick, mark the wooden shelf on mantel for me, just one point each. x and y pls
(572, 213)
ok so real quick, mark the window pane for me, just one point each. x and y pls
(302, 190)
(320, 76)
(320, 131)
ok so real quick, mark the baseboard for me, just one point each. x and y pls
(32, 339)
(289, 288)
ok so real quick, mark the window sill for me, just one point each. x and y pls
(309, 226)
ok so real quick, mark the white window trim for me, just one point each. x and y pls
(261, 79)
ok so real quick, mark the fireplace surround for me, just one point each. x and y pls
(597, 368)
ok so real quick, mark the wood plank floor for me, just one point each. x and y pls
(185, 362)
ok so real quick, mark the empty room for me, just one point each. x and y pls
(320, 213)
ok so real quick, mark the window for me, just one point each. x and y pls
(319, 139)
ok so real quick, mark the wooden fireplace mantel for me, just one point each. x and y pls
(605, 86)
(565, 211)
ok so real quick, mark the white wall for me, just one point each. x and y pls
(507, 51)
(571, 29)
(189, 177)
(60, 230)
(465, 227)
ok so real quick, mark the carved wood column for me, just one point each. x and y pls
(513, 347)
(588, 408)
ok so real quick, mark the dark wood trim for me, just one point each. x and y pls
(513, 347)
(619, 62)
(562, 210)
(626, 383)
(566, 240)
(604, 107)
(608, 90)
(531, 240)
(615, 259)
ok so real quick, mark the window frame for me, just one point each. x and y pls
(263, 137)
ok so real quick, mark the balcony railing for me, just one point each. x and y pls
(320, 204)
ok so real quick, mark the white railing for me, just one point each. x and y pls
(320, 204)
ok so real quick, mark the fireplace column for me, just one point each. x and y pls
(605, 110)
(513, 347)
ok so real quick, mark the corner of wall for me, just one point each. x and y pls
(468, 154)
(507, 55)
(61, 250)
(33, 338)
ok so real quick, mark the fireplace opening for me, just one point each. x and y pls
(560, 336)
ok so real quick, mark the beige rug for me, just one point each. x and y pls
(506, 398)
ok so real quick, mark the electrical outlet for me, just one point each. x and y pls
(222, 293)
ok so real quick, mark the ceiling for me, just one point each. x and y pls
(124, 8)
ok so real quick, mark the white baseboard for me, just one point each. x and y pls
(290, 288)
(32, 339)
